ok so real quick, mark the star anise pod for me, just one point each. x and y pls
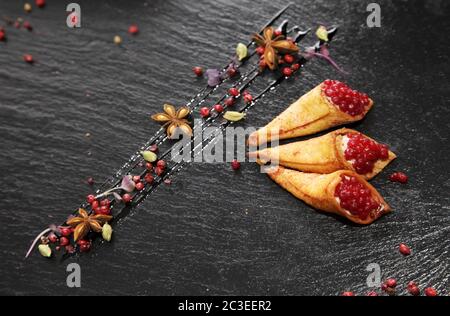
(85, 223)
(174, 119)
(273, 46)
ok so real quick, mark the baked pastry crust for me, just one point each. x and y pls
(324, 154)
(318, 191)
(311, 113)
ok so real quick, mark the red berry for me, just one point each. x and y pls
(204, 112)
(198, 71)
(372, 293)
(348, 293)
(295, 67)
(136, 179)
(159, 171)
(148, 178)
(2, 35)
(105, 202)
(64, 241)
(260, 50)
(104, 210)
(398, 177)
(27, 25)
(231, 71)
(149, 166)
(289, 58)
(70, 249)
(277, 33)
(236, 165)
(404, 250)
(287, 71)
(65, 231)
(234, 92)
(229, 101)
(248, 98)
(139, 186)
(133, 29)
(90, 181)
(391, 283)
(413, 288)
(52, 238)
(429, 291)
(90, 198)
(84, 245)
(262, 64)
(95, 204)
(28, 58)
(218, 108)
(40, 3)
(161, 164)
(126, 198)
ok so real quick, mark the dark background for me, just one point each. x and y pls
(215, 231)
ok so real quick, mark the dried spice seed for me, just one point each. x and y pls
(174, 120)
(404, 250)
(64, 241)
(27, 7)
(133, 29)
(107, 232)
(40, 3)
(84, 245)
(28, 58)
(391, 283)
(159, 171)
(218, 108)
(90, 198)
(204, 112)
(287, 71)
(117, 40)
(398, 177)
(413, 288)
(27, 26)
(233, 116)
(198, 71)
(235, 165)
(136, 179)
(84, 223)
(229, 101)
(231, 71)
(429, 291)
(288, 58)
(149, 178)
(234, 92)
(348, 293)
(139, 186)
(248, 98)
(90, 181)
(295, 67)
(149, 166)
(149, 156)
(65, 231)
(52, 238)
(161, 164)
(45, 250)
(126, 198)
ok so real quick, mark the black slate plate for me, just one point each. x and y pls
(215, 231)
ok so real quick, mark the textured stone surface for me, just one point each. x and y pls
(215, 231)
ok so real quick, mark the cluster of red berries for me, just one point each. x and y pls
(364, 152)
(63, 241)
(349, 101)
(355, 197)
(398, 177)
(286, 59)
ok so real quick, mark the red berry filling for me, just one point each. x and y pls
(355, 197)
(349, 101)
(363, 152)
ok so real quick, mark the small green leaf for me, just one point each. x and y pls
(233, 116)
(241, 51)
(107, 232)
(149, 156)
(322, 33)
(45, 250)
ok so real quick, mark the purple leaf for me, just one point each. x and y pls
(213, 77)
(127, 184)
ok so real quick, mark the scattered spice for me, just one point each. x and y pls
(40, 3)
(233, 116)
(107, 232)
(149, 166)
(322, 33)
(429, 291)
(90, 198)
(235, 165)
(174, 120)
(287, 71)
(64, 241)
(65, 231)
(229, 101)
(295, 66)
(161, 164)
(2, 35)
(204, 112)
(139, 186)
(413, 288)
(404, 250)
(234, 92)
(149, 156)
(133, 29)
(126, 198)
(232, 71)
(273, 45)
(241, 51)
(198, 71)
(288, 58)
(148, 178)
(28, 58)
(27, 7)
(167, 181)
(218, 108)
(84, 245)
(45, 250)
(27, 26)
(372, 293)
(248, 98)
(84, 223)
(398, 177)
(117, 40)
(153, 148)
(348, 293)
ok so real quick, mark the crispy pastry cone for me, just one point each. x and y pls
(324, 154)
(318, 190)
(312, 113)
